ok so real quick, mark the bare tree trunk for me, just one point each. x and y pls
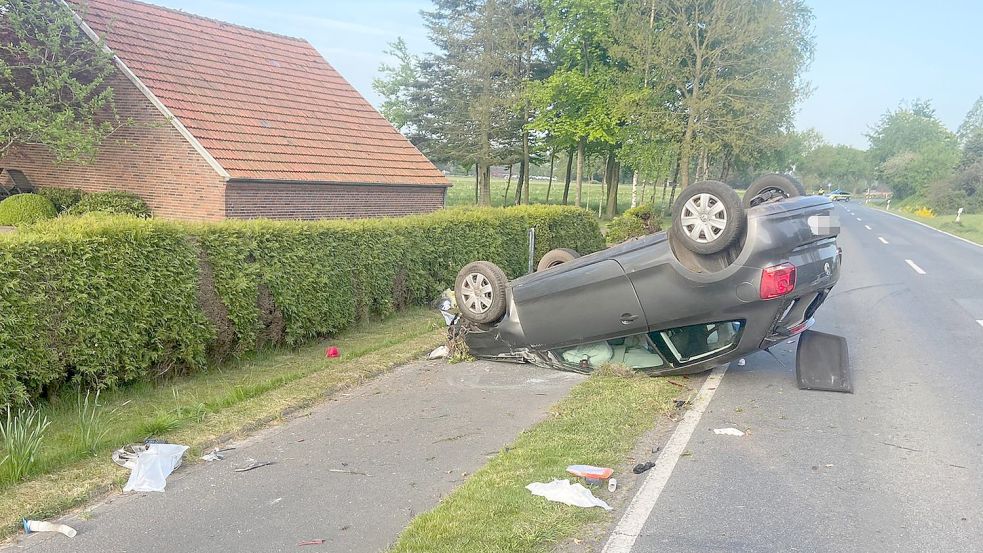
(581, 152)
(614, 180)
(523, 170)
(508, 184)
(525, 156)
(485, 195)
(549, 186)
(477, 172)
(568, 176)
(634, 189)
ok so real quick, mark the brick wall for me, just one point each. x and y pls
(149, 158)
(248, 200)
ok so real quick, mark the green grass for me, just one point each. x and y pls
(203, 409)
(969, 227)
(462, 193)
(598, 424)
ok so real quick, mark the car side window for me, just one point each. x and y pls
(635, 352)
(697, 342)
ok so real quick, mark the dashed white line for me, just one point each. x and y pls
(868, 227)
(859, 219)
(917, 269)
(631, 523)
(980, 321)
(881, 238)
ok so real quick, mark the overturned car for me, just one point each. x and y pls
(730, 277)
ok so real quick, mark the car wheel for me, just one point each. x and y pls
(480, 292)
(707, 217)
(556, 257)
(772, 187)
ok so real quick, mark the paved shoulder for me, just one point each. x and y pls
(353, 472)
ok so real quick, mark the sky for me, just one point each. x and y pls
(871, 55)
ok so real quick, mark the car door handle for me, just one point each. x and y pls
(628, 318)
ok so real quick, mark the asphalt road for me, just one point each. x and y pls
(894, 467)
(353, 472)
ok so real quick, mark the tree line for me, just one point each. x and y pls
(911, 152)
(667, 90)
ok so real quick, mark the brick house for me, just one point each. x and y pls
(232, 122)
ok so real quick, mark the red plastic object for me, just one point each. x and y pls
(777, 281)
(332, 352)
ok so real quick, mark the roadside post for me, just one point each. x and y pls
(889, 204)
(532, 249)
(959, 213)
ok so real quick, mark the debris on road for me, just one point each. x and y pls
(439, 353)
(643, 467)
(591, 473)
(741, 362)
(562, 491)
(153, 466)
(42, 526)
(728, 432)
(126, 456)
(253, 464)
(348, 472)
(215, 454)
(310, 542)
(613, 485)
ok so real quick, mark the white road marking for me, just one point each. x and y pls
(631, 523)
(859, 219)
(917, 269)
(970, 242)
(882, 239)
(980, 321)
(868, 227)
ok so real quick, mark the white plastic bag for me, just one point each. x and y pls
(569, 494)
(154, 466)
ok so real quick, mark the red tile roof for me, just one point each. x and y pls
(265, 106)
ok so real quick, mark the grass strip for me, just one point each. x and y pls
(598, 424)
(970, 225)
(207, 408)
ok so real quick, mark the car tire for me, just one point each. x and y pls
(708, 217)
(772, 187)
(556, 257)
(480, 292)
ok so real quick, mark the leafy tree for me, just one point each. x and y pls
(911, 149)
(54, 88)
(972, 125)
(396, 85)
(736, 68)
(840, 166)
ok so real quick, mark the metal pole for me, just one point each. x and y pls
(532, 249)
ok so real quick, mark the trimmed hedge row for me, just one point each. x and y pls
(106, 300)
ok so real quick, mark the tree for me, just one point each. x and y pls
(53, 82)
(840, 166)
(972, 125)
(396, 85)
(911, 149)
(572, 103)
(736, 68)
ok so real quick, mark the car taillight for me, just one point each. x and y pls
(777, 281)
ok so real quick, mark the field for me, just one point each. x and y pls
(462, 193)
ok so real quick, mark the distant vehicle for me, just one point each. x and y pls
(839, 195)
(729, 278)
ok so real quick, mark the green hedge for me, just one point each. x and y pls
(62, 198)
(25, 209)
(106, 300)
(113, 201)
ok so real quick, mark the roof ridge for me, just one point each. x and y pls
(82, 4)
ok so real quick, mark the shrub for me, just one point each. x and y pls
(21, 435)
(103, 300)
(63, 198)
(22, 209)
(119, 203)
(635, 222)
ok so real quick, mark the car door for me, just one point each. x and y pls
(587, 303)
